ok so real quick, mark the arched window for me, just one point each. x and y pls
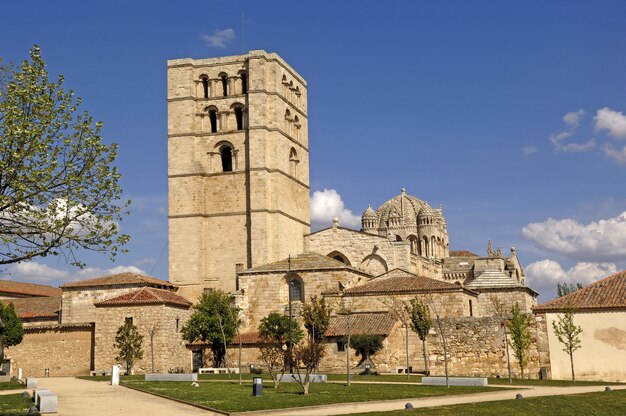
(296, 124)
(293, 162)
(398, 238)
(426, 251)
(205, 85)
(288, 120)
(224, 79)
(296, 294)
(285, 85)
(414, 244)
(213, 119)
(244, 83)
(226, 152)
(339, 257)
(239, 116)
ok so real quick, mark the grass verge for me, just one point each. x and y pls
(232, 397)
(11, 385)
(588, 404)
(14, 405)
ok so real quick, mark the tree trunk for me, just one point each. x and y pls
(305, 388)
(406, 350)
(571, 360)
(426, 364)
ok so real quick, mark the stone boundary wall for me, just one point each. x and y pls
(476, 348)
(66, 350)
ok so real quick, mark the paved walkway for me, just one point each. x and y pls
(82, 397)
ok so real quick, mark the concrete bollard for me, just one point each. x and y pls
(115, 375)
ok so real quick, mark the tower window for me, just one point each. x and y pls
(205, 86)
(213, 119)
(224, 79)
(227, 158)
(239, 117)
(244, 83)
(293, 162)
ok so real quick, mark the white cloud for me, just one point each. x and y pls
(572, 121)
(529, 150)
(603, 240)
(37, 272)
(614, 122)
(618, 155)
(550, 272)
(573, 118)
(219, 38)
(578, 147)
(327, 204)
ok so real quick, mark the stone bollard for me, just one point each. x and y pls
(519, 396)
(408, 406)
(20, 374)
(607, 388)
(115, 375)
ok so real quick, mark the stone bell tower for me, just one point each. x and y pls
(238, 167)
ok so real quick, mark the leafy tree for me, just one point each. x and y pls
(366, 346)
(563, 289)
(274, 333)
(129, 342)
(316, 317)
(212, 322)
(11, 330)
(568, 334)
(59, 188)
(420, 324)
(519, 328)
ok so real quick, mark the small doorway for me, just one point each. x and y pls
(196, 360)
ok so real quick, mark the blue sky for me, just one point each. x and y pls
(510, 114)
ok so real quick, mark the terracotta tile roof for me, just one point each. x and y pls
(462, 253)
(608, 293)
(120, 280)
(302, 262)
(247, 338)
(38, 307)
(401, 281)
(361, 324)
(12, 287)
(146, 296)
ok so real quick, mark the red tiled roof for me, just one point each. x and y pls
(462, 253)
(608, 293)
(37, 307)
(120, 280)
(27, 289)
(361, 324)
(146, 296)
(401, 281)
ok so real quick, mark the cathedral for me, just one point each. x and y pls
(239, 215)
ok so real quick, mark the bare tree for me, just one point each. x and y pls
(568, 334)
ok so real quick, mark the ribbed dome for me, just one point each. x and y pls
(369, 213)
(406, 206)
(428, 211)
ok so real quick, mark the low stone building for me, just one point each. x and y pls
(73, 333)
(159, 315)
(600, 310)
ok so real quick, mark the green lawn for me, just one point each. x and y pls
(14, 405)
(589, 404)
(11, 385)
(555, 383)
(233, 397)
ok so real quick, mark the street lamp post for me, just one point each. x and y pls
(289, 341)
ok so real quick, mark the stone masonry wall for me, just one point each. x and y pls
(64, 350)
(78, 304)
(166, 321)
